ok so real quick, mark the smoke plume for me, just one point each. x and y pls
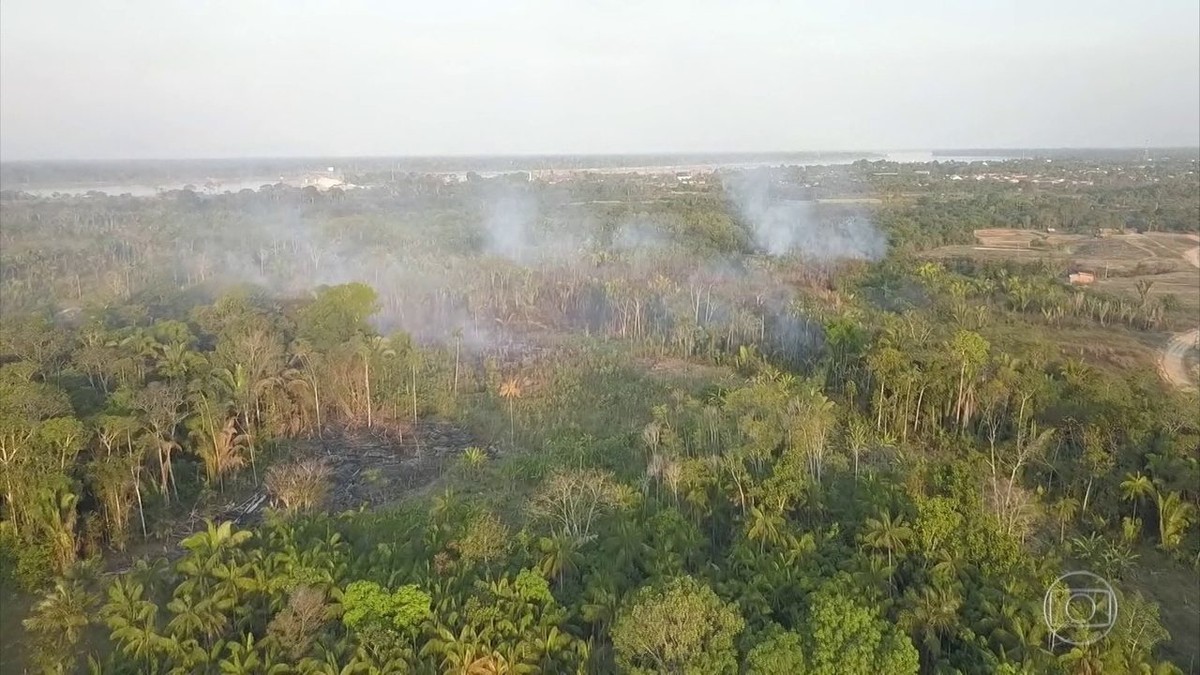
(789, 226)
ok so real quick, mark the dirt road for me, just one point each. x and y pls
(1173, 363)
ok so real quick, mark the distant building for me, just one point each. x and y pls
(324, 182)
(319, 180)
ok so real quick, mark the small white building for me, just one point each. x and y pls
(323, 183)
(319, 180)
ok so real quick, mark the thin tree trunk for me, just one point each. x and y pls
(11, 504)
(917, 412)
(137, 490)
(962, 375)
(250, 439)
(879, 410)
(367, 381)
(317, 405)
(171, 474)
(162, 475)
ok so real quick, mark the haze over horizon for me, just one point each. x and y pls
(312, 79)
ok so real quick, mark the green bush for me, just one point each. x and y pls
(370, 608)
(35, 565)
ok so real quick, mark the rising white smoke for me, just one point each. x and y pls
(508, 225)
(782, 226)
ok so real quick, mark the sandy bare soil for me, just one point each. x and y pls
(1193, 255)
(1174, 356)
(1173, 363)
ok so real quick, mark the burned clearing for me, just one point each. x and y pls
(376, 468)
(367, 469)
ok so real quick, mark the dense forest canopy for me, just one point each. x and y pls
(740, 421)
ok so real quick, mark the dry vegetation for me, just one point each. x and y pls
(904, 446)
(1119, 261)
(1165, 263)
(375, 469)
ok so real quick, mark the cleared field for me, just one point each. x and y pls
(1170, 262)
(1119, 261)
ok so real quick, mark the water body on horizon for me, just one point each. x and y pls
(139, 189)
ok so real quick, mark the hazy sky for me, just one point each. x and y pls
(166, 78)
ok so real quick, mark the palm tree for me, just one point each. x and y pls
(1075, 371)
(933, 613)
(492, 664)
(1143, 290)
(307, 359)
(474, 458)
(1015, 631)
(887, 533)
(115, 434)
(1066, 509)
(162, 411)
(243, 658)
(1089, 547)
(1083, 660)
(221, 446)
(132, 620)
(240, 392)
(369, 349)
(176, 359)
(444, 509)
(1131, 530)
(58, 620)
(458, 652)
(949, 564)
(560, 556)
(765, 527)
(511, 389)
(858, 439)
(206, 550)
(1135, 488)
(55, 508)
(1174, 515)
(297, 390)
(550, 641)
(874, 573)
(187, 621)
(599, 607)
(198, 617)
